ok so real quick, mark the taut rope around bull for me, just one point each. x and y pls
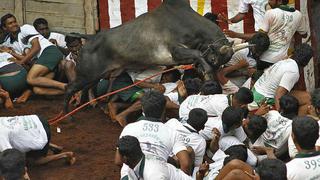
(60, 117)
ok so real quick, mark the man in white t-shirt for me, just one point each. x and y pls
(259, 9)
(41, 74)
(305, 165)
(31, 135)
(226, 150)
(215, 104)
(143, 166)
(279, 126)
(189, 133)
(153, 83)
(157, 139)
(242, 64)
(280, 78)
(280, 23)
(57, 39)
(229, 124)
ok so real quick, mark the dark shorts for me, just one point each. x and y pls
(15, 84)
(50, 57)
(44, 151)
(123, 80)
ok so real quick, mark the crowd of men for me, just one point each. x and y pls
(251, 122)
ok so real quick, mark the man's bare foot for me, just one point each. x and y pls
(112, 111)
(71, 159)
(121, 120)
(24, 97)
(6, 98)
(91, 97)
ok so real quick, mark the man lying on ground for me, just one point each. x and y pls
(13, 79)
(31, 135)
(57, 39)
(41, 74)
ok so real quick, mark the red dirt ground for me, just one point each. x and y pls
(92, 137)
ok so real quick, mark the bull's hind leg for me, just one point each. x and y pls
(183, 53)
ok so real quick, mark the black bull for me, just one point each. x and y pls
(172, 34)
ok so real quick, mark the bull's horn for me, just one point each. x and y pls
(224, 49)
(241, 46)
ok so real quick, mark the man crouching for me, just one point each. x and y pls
(31, 135)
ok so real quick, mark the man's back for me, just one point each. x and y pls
(190, 137)
(214, 105)
(60, 38)
(278, 130)
(24, 133)
(284, 73)
(259, 10)
(155, 138)
(280, 25)
(304, 166)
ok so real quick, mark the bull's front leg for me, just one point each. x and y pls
(183, 54)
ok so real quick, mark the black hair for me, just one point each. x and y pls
(192, 86)
(175, 74)
(315, 98)
(197, 118)
(212, 17)
(211, 87)
(244, 95)
(306, 131)
(257, 125)
(239, 152)
(285, 2)
(302, 54)
(273, 169)
(245, 111)
(70, 39)
(190, 74)
(12, 164)
(153, 104)
(261, 41)
(289, 106)
(231, 116)
(39, 21)
(129, 146)
(4, 18)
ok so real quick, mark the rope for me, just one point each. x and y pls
(57, 119)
